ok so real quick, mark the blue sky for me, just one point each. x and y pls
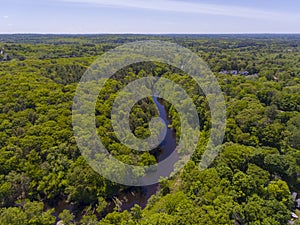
(149, 16)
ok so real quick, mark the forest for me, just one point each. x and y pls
(255, 179)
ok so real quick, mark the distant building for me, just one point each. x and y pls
(234, 72)
(294, 195)
(291, 222)
(295, 216)
(223, 72)
(6, 57)
(245, 73)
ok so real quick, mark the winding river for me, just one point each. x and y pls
(127, 199)
(140, 197)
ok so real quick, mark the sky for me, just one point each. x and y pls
(149, 16)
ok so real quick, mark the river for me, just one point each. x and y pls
(140, 197)
(133, 195)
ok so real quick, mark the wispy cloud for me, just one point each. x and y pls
(5, 17)
(186, 7)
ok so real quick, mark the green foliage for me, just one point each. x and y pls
(67, 217)
(249, 182)
(31, 213)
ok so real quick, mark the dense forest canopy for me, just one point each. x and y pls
(254, 180)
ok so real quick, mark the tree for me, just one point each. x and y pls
(12, 216)
(136, 213)
(279, 190)
(67, 217)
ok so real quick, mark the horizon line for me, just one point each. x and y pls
(140, 33)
